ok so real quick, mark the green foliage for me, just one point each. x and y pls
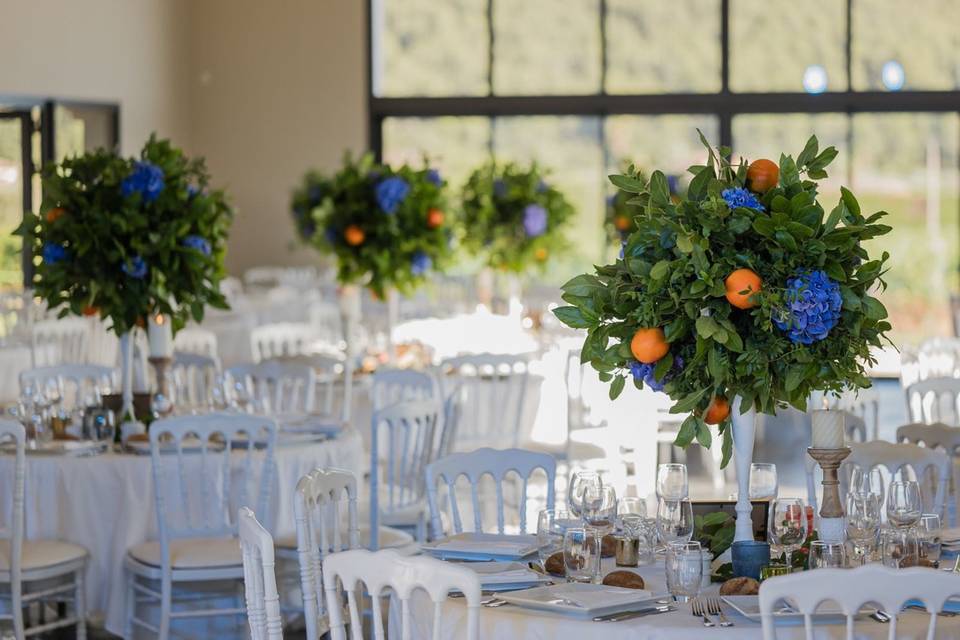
(495, 198)
(672, 276)
(85, 211)
(325, 206)
(715, 531)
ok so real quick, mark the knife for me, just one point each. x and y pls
(635, 613)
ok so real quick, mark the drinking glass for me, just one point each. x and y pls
(684, 569)
(631, 506)
(899, 547)
(928, 531)
(672, 481)
(903, 503)
(825, 555)
(675, 520)
(863, 523)
(763, 481)
(867, 481)
(788, 525)
(581, 554)
(600, 513)
(579, 481)
(551, 525)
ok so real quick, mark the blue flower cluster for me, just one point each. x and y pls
(433, 176)
(542, 186)
(420, 263)
(499, 188)
(199, 243)
(135, 268)
(391, 192)
(813, 307)
(145, 179)
(644, 372)
(534, 220)
(740, 197)
(53, 253)
(315, 194)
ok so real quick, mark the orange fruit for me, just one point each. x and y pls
(717, 411)
(141, 322)
(434, 218)
(354, 235)
(622, 223)
(541, 254)
(649, 345)
(55, 214)
(90, 310)
(762, 175)
(742, 280)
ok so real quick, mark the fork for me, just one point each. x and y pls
(698, 611)
(714, 607)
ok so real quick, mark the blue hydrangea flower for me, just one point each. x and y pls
(499, 188)
(813, 308)
(434, 176)
(330, 234)
(391, 192)
(314, 194)
(542, 186)
(145, 179)
(199, 243)
(623, 246)
(610, 200)
(740, 197)
(673, 184)
(420, 263)
(135, 268)
(192, 190)
(644, 372)
(53, 253)
(534, 220)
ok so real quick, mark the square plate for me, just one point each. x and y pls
(749, 607)
(579, 599)
(482, 547)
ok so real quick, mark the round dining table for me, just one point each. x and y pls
(510, 621)
(105, 503)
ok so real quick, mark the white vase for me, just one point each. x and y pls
(744, 434)
(350, 311)
(126, 375)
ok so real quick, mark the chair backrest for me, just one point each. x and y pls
(325, 319)
(317, 509)
(497, 463)
(196, 340)
(281, 339)
(852, 588)
(934, 400)
(865, 405)
(259, 578)
(75, 383)
(11, 526)
(896, 457)
(453, 403)
(942, 438)
(207, 466)
(382, 570)
(195, 378)
(406, 432)
(278, 386)
(495, 387)
(60, 340)
(394, 385)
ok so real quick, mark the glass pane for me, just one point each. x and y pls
(543, 47)
(81, 128)
(906, 163)
(431, 48)
(663, 46)
(773, 45)
(569, 148)
(920, 39)
(11, 203)
(455, 146)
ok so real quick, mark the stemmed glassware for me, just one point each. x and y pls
(674, 520)
(863, 523)
(867, 481)
(579, 482)
(600, 513)
(788, 525)
(904, 505)
(929, 535)
(672, 483)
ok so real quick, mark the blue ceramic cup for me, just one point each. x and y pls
(749, 556)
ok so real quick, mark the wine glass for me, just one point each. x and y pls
(579, 481)
(904, 505)
(867, 481)
(788, 525)
(684, 569)
(763, 481)
(631, 506)
(929, 534)
(863, 523)
(899, 547)
(600, 512)
(672, 481)
(675, 520)
(825, 555)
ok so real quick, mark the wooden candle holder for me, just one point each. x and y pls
(832, 527)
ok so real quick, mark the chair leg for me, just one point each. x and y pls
(130, 605)
(166, 605)
(80, 604)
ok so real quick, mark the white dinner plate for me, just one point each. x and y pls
(506, 576)
(579, 599)
(480, 547)
(749, 607)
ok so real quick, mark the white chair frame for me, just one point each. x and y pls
(940, 437)
(65, 375)
(194, 375)
(272, 379)
(391, 386)
(69, 337)
(496, 463)
(259, 578)
(383, 570)
(281, 339)
(196, 340)
(852, 588)
(925, 400)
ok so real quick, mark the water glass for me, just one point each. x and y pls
(763, 481)
(551, 525)
(863, 523)
(867, 481)
(904, 505)
(675, 520)
(929, 534)
(899, 547)
(788, 525)
(580, 481)
(672, 481)
(630, 506)
(684, 569)
(824, 555)
(581, 554)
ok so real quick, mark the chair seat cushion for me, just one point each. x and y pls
(192, 553)
(37, 554)
(389, 538)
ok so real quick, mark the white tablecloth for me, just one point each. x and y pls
(514, 622)
(105, 503)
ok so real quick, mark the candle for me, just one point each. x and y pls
(160, 336)
(828, 429)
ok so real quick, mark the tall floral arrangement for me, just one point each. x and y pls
(387, 227)
(744, 287)
(122, 238)
(619, 220)
(513, 217)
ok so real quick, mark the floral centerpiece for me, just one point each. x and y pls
(744, 287)
(619, 220)
(388, 228)
(513, 217)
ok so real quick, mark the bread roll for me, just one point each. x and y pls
(554, 565)
(740, 587)
(608, 546)
(625, 579)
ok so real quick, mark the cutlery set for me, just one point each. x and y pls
(709, 606)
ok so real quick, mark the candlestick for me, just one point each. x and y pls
(160, 336)
(827, 429)
(162, 401)
(832, 527)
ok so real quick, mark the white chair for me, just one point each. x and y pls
(196, 340)
(259, 579)
(280, 339)
(75, 384)
(36, 570)
(383, 570)
(474, 465)
(406, 431)
(394, 385)
(325, 320)
(279, 387)
(934, 400)
(495, 388)
(197, 491)
(942, 438)
(59, 341)
(195, 378)
(851, 589)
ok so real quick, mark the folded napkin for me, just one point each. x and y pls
(492, 573)
(487, 546)
(950, 606)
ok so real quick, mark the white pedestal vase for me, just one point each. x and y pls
(126, 377)
(744, 434)
(349, 300)
(393, 315)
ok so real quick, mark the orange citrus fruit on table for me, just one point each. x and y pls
(354, 235)
(742, 280)
(762, 175)
(622, 223)
(434, 218)
(717, 411)
(649, 345)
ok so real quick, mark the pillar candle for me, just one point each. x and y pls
(160, 336)
(828, 429)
